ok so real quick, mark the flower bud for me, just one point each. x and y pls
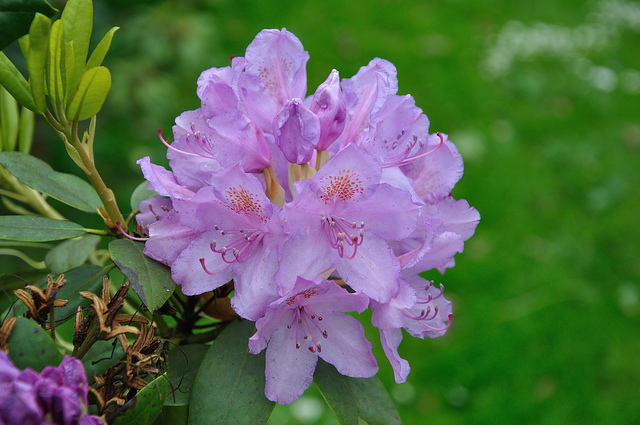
(329, 105)
(297, 131)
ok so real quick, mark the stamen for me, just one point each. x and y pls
(338, 234)
(404, 158)
(429, 298)
(240, 248)
(210, 273)
(181, 151)
(128, 236)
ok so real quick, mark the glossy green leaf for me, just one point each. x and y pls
(13, 25)
(71, 253)
(90, 94)
(184, 362)
(16, 17)
(101, 50)
(336, 391)
(229, 387)
(145, 407)
(15, 83)
(37, 229)
(83, 278)
(37, 58)
(31, 346)
(56, 76)
(25, 134)
(140, 194)
(77, 18)
(374, 402)
(101, 356)
(9, 120)
(150, 279)
(37, 174)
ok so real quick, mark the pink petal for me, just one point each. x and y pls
(289, 370)
(187, 269)
(346, 346)
(390, 339)
(374, 270)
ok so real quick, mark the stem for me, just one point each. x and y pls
(52, 322)
(79, 352)
(35, 264)
(69, 134)
(105, 194)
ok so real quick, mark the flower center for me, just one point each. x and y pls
(342, 186)
(243, 202)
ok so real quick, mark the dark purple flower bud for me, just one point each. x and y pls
(297, 131)
(56, 395)
(328, 104)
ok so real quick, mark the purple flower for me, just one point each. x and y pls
(58, 395)
(341, 219)
(418, 307)
(239, 237)
(307, 323)
(277, 191)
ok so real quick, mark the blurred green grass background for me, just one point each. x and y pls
(543, 101)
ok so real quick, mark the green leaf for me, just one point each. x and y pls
(101, 50)
(84, 278)
(229, 387)
(101, 356)
(71, 253)
(184, 362)
(373, 402)
(33, 6)
(77, 18)
(56, 71)
(16, 17)
(336, 391)
(350, 398)
(9, 120)
(140, 194)
(13, 25)
(25, 134)
(90, 94)
(150, 279)
(37, 58)
(69, 55)
(145, 407)
(37, 174)
(37, 229)
(15, 83)
(31, 346)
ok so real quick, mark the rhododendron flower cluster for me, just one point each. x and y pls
(314, 205)
(57, 395)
